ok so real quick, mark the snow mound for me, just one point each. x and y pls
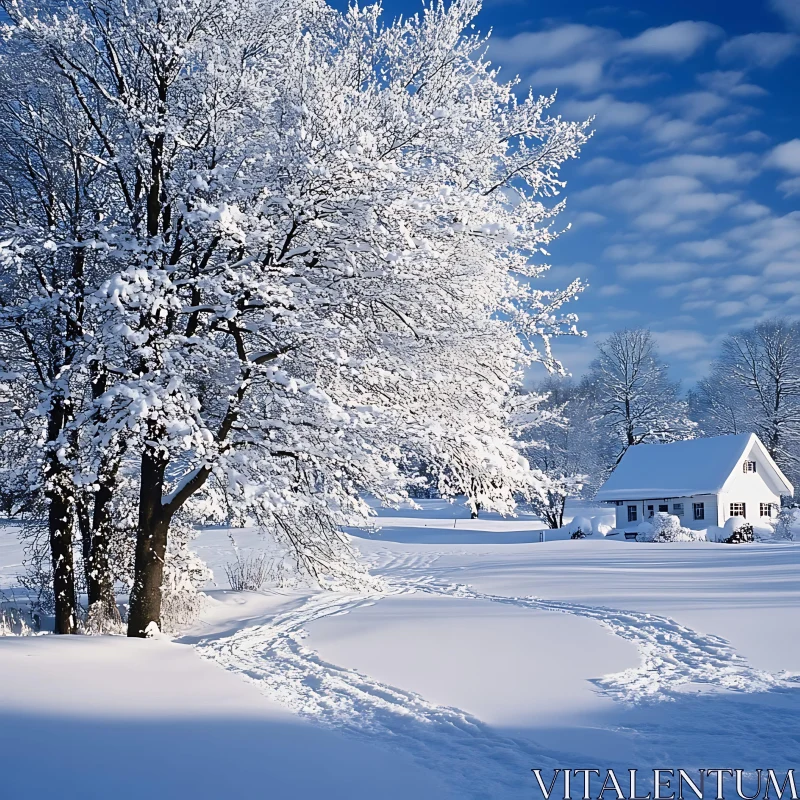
(667, 528)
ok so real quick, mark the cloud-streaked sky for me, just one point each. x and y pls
(685, 206)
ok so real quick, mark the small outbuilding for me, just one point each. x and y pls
(702, 481)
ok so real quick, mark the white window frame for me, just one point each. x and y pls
(634, 511)
(734, 513)
(749, 466)
(699, 510)
(677, 509)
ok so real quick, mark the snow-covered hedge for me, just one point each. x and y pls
(667, 528)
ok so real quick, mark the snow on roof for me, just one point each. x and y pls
(679, 469)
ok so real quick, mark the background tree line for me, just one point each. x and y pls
(627, 398)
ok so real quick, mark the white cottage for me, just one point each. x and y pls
(702, 481)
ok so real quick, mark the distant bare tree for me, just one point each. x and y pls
(754, 385)
(565, 450)
(636, 402)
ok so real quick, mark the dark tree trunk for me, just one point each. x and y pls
(100, 582)
(151, 545)
(61, 518)
(85, 529)
(60, 523)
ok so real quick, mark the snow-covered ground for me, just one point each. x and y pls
(489, 654)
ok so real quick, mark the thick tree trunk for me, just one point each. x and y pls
(100, 582)
(85, 529)
(151, 546)
(60, 523)
(61, 518)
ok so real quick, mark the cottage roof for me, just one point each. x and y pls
(683, 469)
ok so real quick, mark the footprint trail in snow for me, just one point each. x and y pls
(475, 759)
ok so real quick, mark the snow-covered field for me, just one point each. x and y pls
(489, 654)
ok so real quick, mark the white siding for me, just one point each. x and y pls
(749, 488)
(687, 520)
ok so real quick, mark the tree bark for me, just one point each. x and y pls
(61, 518)
(151, 545)
(100, 584)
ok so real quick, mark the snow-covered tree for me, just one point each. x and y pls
(635, 401)
(49, 205)
(754, 385)
(561, 448)
(318, 235)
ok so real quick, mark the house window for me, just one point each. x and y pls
(738, 510)
(663, 509)
(631, 513)
(677, 509)
(650, 511)
(766, 509)
(699, 510)
(749, 466)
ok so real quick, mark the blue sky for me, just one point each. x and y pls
(685, 203)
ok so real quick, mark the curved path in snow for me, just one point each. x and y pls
(476, 760)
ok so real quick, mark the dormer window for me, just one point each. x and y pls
(749, 466)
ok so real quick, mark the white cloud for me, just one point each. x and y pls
(670, 131)
(610, 113)
(709, 202)
(780, 269)
(531, 48)
(612, 290)
(750, 210)
(607, 167)
(584, 75)
(656, 270)
(760, 49)
(785, 156)
(681, 342)
(730, 308)
(588, 218)
(660, 203)
(678, 41)
(789, 10)
(696, 105)
(753, 137)
(706, 248)
(741, 283)
(769, 239)
(721, 169)
(628, 252)
(687, 288)
(784, 287)
(655, 220)
(790, 187)
(549, 56)
(730, 82)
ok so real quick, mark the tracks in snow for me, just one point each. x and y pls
(672, 655)
(473, 757)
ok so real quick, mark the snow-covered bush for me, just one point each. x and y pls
(582, 524)
(249, 572)
(738, 530)
(667, 528)
(644, 532)
(732, 524)
(785, 524)
(14, 622)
